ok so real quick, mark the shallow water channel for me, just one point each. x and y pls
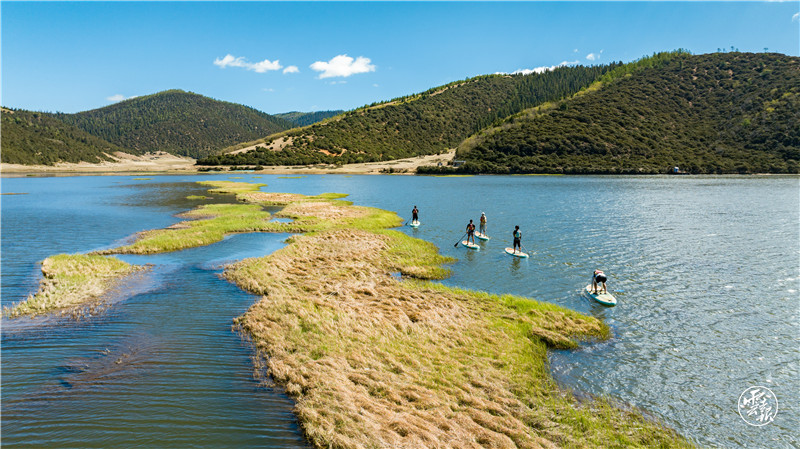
(161, 367)
(705, 270)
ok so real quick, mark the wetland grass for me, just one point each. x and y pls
(71, 280)
(374, 361)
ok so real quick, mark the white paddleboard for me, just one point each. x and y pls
(482, 236)
(511, 252)
(605, 299)
(414, 224)
(470, 245)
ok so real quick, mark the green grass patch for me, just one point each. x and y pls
(231, 186)
(212, 222)
(71, 280)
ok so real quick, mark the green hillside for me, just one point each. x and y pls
(714, 113)
(307, 118)
(38, 138)
(177, 122)
(427, 123)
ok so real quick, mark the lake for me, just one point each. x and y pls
(705, 270)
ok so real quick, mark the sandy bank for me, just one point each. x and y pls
(168, 163)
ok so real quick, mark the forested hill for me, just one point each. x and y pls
(177, 122)
(713, 113)
(38, 138)
(426, 123)
(307, 118)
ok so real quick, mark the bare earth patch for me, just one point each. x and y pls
(123, 163)
(166, 163)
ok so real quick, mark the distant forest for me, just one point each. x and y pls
(307, 118)
(426, 123)
(36, 138)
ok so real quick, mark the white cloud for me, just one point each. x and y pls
(268, 89)
(342, 65)
(541, 69)
(594, 56)
(291, 69)
(117, 98)
(575, 50)
(259, 67)
(796, 17)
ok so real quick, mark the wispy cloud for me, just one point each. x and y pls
(291, 69)
(259, 67)
(541, 69)
(796, 17)
(342, 66)
(117, 98)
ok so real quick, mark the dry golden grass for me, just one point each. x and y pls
(71, 281)
(377, 362)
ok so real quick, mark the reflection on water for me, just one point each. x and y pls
(705, 270)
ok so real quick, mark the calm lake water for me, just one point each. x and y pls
(706, 271)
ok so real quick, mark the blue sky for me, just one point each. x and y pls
(280, 57)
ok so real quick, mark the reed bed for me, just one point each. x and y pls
(71, 280)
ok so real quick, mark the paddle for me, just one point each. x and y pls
(459, 240)
(523, 247)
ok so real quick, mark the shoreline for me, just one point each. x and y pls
(168, 164)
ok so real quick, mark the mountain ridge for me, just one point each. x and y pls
(175, 121)
(713, 113)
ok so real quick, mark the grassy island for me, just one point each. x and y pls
(374, 360)
(72, 280)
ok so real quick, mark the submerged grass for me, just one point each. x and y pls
(374, 361)
(71, 280)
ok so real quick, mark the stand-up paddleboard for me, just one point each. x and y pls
(510, 251)
(605, 299)
(482, 236)
(414, 224)
(470, 245)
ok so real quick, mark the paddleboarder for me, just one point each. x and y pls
(517, 239)
(483, 223)
(414, 214)
(598, 277)
(471, 232)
